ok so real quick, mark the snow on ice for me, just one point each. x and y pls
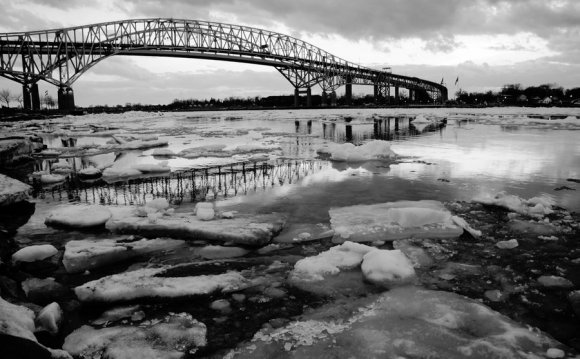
(88, 254)
(78, 216)
(347, 152)
(393, 220)
(34, 253)
(401, 323)
(533, 207)
(153, 283)
(12, 191)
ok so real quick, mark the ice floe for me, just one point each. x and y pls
(78, 216)
(34, 253)
(50, 318)
(88, 254)
(402, 323)
(534, 207)
(393, 220)
(347, 152)
(12, 191)
(154, 283)
(387, 268)
(173, 337)
(251, 230)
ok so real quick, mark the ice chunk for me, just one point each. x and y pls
(153, 168)
(534, 207)
(219, 252)
(51, 178)
(153, 283)
(163, 152)
(387, 268)
(173, 337)
(78, 216)
(50, 318)
(205, 211)
(89, 254)
(113, 172)
(421, 119)
(205, 151)
(34, 253)
(12, 191)
(405, 322)
(345, 256)
(347, 152)
(511, 244)
(393, 220)
(248, 230)
(552, 281)
(18, 341)
(90, 172)
(158, 204)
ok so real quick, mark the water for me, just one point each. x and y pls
(475, 152)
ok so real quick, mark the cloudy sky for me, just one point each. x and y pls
(484, 43)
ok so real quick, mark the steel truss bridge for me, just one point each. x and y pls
(61, 56)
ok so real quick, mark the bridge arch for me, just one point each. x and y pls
(61, 56)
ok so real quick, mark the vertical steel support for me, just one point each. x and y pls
(296, 97)
(396, 95)
(348, 90)
(35, 97)
(66, 99)
(324, 101)
(26, 97)
(308, 97)
(333, 99)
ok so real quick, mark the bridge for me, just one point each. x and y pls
(61, 56)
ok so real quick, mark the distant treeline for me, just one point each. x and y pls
(515, 94)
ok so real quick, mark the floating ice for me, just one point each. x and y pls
(552, 281)
(154, 283)
(121, 172)
(387, 268)
(534, 207)
(18, 340)
(393, 220)
(153, 168)
(220, 252)
(205, 211)
(345, 256)
(405, 322)
(243, 229)
(12, 191)
(51, 178)
(204, 151)
(78, 216)
(50, 318)
(163, 152)
(34, 253)
(88, 254)
(347, 152)
(90, 172)
(171, 338)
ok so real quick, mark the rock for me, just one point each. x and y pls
(44, 291)
(173, 337)
(205, 211)
(220, 252)
(405, 322)
(89, 254)
(387, 268)
(12, 191)
(574, 299)
(155, 283)
(50, 318)
(246, 230)
(512, 243)
(552, 281)
(34, 253)
(16, 332)
(493, 295)
(393, 220)
(221, 305)
(78, 216)
(555, 353)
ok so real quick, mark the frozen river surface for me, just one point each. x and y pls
(289, 184)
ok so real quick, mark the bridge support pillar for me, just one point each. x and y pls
(396, 95)
(26, 97)
(333, 99)
(35, 97)
(412, 95)
(298, 92)
(324, 101)
(348, 91)
(66, 99)
(376, 93)
(308, 97)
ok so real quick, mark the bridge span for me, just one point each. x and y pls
(61, 56)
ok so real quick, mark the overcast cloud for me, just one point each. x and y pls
(486, 43)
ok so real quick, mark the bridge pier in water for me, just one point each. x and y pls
(348, 91)
(298, 92)
(66, 99)
(35, 97)
(396, 95)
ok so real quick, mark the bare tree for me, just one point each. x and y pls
(20, 99)
(6, 96)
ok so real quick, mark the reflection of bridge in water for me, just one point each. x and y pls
(186, 186)
(385, 128)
